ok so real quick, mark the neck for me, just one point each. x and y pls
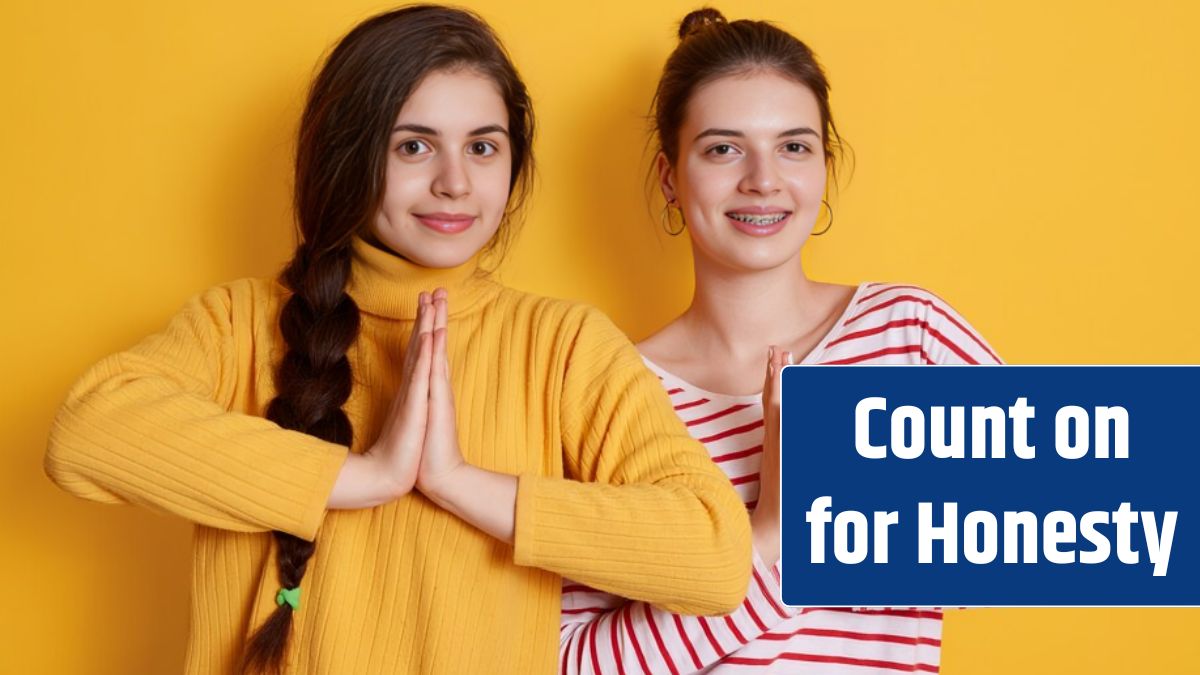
(385, 284)
(738, 313)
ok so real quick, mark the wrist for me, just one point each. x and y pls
(446, 489)
(362, 484)
(767, 509)
(764, 530)
(384, 483)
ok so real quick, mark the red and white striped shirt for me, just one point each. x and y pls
(602, 633)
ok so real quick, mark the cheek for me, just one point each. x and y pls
(807, 183)
(491, 186)
(403, 186)
(705, 184)
(815, 173)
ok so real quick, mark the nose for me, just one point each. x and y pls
(451, 181)
(762, 176)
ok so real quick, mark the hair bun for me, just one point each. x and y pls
(699, 20)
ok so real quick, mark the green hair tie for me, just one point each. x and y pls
(289, 595)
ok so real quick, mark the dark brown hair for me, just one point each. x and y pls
(341, 163)
(710, 48)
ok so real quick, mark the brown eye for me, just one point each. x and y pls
(483, 149)
(723, 151)
(796, 147)
(413, 147)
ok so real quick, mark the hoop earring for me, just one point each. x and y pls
(665, 219)
(826, 205)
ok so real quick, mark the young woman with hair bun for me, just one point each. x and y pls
(747, 147)
(390, 459)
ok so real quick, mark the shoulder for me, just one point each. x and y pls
(546, 312)
(243, 293)
(895, 300)
(907, 316)
(886, 303)
(240, 297)
(248, 305)
(578, 336)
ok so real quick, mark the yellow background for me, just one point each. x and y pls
(1035, 163)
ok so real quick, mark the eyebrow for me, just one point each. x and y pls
(430, 131)
(798, 131)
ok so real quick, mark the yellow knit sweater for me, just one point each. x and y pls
(612, 491)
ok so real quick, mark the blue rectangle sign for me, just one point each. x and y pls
(990, 486)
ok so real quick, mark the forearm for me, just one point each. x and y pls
(617, 637)
(765, 533)
(129, 434)
(485, 499)
(642, 541)
(764, 527)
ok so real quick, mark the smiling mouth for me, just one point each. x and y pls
(759, 220)
(445, 223)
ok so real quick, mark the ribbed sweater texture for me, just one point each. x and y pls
(613, 492)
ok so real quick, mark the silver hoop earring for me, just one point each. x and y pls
(830, 224)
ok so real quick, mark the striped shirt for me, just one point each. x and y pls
(601, 633)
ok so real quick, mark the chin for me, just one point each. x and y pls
(759, 263)
(431, 250)
(445, 254)
(759, 256)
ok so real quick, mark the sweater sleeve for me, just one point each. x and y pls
(643, 513)
(151, 426)
(601, 634)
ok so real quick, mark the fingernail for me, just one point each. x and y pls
(771, 352)
(791, 361)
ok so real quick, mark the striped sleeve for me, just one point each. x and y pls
(602, 634)
(151, 426)
(841, 641)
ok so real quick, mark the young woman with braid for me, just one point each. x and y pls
(390, 459)
(747, 145)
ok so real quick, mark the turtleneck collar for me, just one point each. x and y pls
(384, 284)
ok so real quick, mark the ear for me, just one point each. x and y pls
(666, 176)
